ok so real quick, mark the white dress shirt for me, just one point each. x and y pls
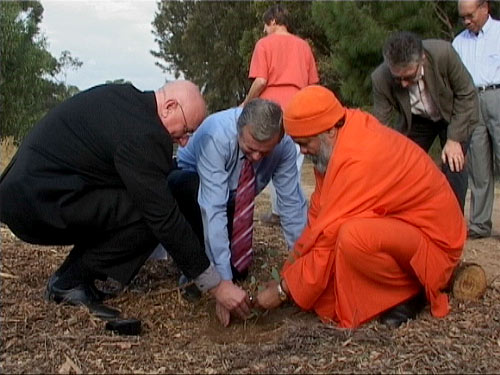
(421, 101)
(481, 53)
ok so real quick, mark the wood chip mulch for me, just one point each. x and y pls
(183, 337)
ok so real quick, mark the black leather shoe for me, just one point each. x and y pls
(50, 285)
(404, 312)
(101, 295)
(103, 312)
(190, 292)
(475, 236)
(96, 293)
(81, 294)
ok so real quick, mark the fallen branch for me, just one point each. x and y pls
(6, 275)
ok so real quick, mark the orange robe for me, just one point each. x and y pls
(383, 223)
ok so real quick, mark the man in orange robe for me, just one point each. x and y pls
(384, 226)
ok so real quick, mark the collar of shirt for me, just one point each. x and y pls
(484, 30)
(487, 26)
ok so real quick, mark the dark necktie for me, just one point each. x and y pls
(241, 239)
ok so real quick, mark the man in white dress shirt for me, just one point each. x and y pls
(479, 49)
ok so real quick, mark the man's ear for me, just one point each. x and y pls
(332, 132)
(339, 123)
(167, 107)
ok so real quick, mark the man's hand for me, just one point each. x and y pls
(233, 299)
(223, 314)
(453, 155)
(269, 298)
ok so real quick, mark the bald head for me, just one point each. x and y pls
(189, 97)
(474, 14)
(181, 109)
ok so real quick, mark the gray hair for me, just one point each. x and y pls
(402, 49)
(264, 117)
(322, 158)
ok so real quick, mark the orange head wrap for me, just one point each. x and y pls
(312, 110)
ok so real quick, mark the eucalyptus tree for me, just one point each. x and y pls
(356, 31)
(28, 84)
(211, 42)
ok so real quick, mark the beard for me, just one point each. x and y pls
(321, 159)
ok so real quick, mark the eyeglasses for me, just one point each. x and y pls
(187, 132)
(414, 77)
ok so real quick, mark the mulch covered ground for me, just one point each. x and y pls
(182, 337)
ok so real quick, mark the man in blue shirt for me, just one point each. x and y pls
(210, 166)
(479, 49)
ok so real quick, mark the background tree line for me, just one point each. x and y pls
(28, 73)
(211, 42)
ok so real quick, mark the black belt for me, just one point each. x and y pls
(489, 87)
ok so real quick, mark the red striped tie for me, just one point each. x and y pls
(241, 241)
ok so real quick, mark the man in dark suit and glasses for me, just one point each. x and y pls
(93, 173)
(427, 87)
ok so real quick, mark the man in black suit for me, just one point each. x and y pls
(93, 173)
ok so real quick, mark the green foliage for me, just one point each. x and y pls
(275, 274)
(356, 32)
(200, 39)
(26, 92)
(211, 43)
(495, 9)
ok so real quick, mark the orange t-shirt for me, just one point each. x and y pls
(287, 63)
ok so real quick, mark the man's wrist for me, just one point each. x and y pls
(281, 292)
(209, 279)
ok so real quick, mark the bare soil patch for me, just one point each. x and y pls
(183, 337)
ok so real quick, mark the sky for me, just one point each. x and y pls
(111, 37)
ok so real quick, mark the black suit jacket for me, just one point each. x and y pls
(96, 162)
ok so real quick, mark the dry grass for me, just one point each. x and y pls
(181, 337)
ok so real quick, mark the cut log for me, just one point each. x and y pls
(469, 282)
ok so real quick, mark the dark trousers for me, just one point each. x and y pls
(109, 235)
(423, 132)
(118, 253)
(184, 186)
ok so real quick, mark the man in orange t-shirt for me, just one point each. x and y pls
(384, 231)
(282, 64)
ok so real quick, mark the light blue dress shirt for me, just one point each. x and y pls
(481, 53)
(213, 152)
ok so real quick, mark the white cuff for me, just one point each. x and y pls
(209, 279)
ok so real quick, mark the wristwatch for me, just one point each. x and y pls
(283, 296)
